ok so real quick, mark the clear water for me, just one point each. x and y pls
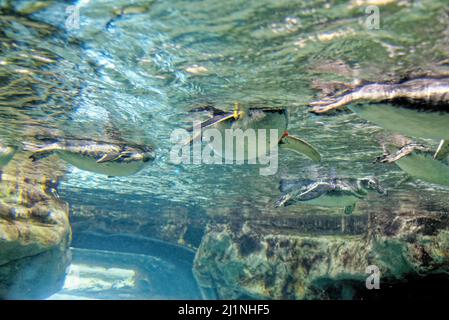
(143, 72)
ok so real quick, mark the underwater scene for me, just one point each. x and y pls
(209, 149)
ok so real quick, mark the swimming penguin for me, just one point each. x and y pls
(335, 193)
(419, 108)
(418, 161)
(111, 159)
(258, 118)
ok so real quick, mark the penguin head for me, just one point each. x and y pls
(141, 153)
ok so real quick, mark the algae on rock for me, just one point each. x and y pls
(253, 260)
(35, 232)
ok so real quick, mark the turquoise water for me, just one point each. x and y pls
(143, 66)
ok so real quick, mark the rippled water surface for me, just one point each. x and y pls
(143, 68)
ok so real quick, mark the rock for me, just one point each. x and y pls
(34, 223)
(251, 260)
(172, 224)
(34, 230)
(34, 277)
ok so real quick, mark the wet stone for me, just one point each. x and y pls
(261, 262)
(34, 232)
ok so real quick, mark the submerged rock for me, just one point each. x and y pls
(173, 224)
(34, 277)
(34, 231)
(34, 223)
(252, 260)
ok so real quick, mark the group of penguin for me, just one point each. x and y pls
(416, 108)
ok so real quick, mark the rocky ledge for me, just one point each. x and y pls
(254, 260)
(34, 230)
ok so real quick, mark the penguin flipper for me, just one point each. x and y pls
(298, 145)
(109, 157)
(442, 151)
(315, 191)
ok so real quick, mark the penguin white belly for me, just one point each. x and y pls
(250, 144)
(333, 201)
(425, 168)
(107, 168)
(430, 125)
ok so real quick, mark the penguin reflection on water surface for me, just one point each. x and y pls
(417, 160)
(266, 118)
(109, 158)
(416, 108)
